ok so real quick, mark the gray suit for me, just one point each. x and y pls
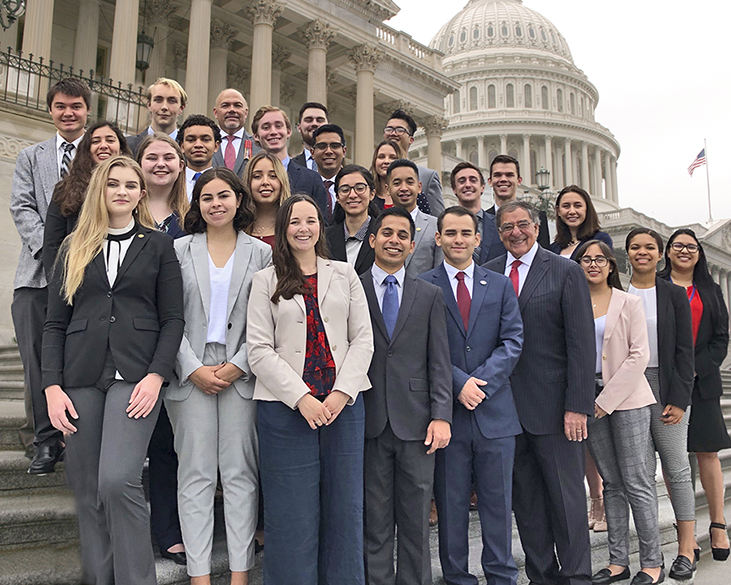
(426, 255)
(213, 432)
(35, 177)
(241, 158)
(431, 186)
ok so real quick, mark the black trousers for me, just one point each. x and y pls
(29, 315)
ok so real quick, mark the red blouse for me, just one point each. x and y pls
(696, 309)
(319, 372)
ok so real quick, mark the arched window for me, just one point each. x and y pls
(491, 100)
(572, 103)
(491, 156)
(510, 95)
(473, 98)
(544, 98)
(528, 93)
(451, 39)
(518, 30)
(553, 38)
(504, 30)
(581, 109)
(455, 102)
(543, 35)
(463, 36)
(474, 158)
(559, 100)
(531, 31)
(490, 30)
(476, 33)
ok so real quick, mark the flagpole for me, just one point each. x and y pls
(708, 183)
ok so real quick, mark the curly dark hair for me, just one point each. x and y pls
(245, 213)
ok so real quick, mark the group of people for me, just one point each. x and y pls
(219, 308)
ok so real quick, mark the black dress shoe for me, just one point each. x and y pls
(178, 558)
(46, 458)
(682, 568)
(605, 576)
(643, 578)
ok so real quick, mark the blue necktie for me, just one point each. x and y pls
(390, 304)
(195, 177)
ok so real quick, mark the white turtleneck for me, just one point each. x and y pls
(114, 251)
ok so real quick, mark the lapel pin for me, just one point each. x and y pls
(418, 229)
(482, 282)
(140, 235)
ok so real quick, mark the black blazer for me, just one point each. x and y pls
(134, 141)
(303, 180)
(600, 235)
(140, 318)
(300, 159)
(410, 373)
(674, 344)
(555, 372)
(56, 228)
(336, 243)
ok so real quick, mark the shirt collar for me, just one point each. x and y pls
(285, 162)
(60, 140)
(238, 134)
(452, 271)
(173, 134)
(360, 234)
(190, 173)
(526, 258)
(380, 275)
(414, 213)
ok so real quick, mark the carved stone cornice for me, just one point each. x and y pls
(399, 104)
(158, 12)
(318, 34)
(10, 146)
(265, 12)
(222, 34)
(365, 57)
(181, 55)
(237, 76)
(280, 56)
(286, 93)
(434, 125)
(330, 77)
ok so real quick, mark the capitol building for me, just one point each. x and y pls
(497, 78)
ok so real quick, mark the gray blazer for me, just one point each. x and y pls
(426, 255)
(251, 256)
(241, 158)
(431, 186)
(35, 177)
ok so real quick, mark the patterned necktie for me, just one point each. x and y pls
(390, 304)
(514, 276)
(68, 148)
(328, 184)
(464, 302)
(229, 157)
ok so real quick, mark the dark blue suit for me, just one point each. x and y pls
(303, 180)
(483, 445)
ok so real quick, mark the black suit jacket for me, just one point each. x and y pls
(139, 318)
(336, 244)
(303, 180)
(56, 228)
(674, 344)
(410, 373)
(555, 372)
(241, 158)
(544, 235)
(300, 159)
(134, 142)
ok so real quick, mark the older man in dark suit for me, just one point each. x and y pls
(554, 393)
(408, 411)
(237, 145)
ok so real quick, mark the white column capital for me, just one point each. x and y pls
(158, 12)
(318, 34)
(330, 77)
(399, 105)
(265, 12)
(286, 93)
(181, 55)
(237, 76)
(222, 34)
(365, 57)
(435, 126)
(280, 56)
(458, 141)
(549, 140)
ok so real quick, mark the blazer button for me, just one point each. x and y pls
(326, 319)
(112, 319)
(390, 354)
(468, 348)
(335, 348)
(229, 325)
(109, 294)
(604, 357)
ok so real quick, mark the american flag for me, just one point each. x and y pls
(699, 161)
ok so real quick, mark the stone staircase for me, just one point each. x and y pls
(39, 543)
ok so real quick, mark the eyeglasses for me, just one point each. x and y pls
(331, 145)
(524, 225)
(359, 188)
(600, 261)
(400, 130)
(678, 247)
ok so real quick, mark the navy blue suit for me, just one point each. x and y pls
(303, 180)
(482, 447)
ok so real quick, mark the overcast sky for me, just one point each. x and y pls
(664, 80)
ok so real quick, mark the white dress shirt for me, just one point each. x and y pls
(60, 149)
(220, 279)
(190, 182)
(173, 134)
(649, 304)
(468, 277)
(238, 141)
(525, 262)
(379, 276)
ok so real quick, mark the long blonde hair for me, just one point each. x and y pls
(83, 244)
(178, 198)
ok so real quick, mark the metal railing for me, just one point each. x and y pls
(25, 81)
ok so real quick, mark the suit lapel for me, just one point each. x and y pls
(241, 156)
(421, 221)
(365, 250)
(240, 268)
(324, 276)
(338, 244)
(376, 314)
(407, 299)
(441, 279)
(536, 273)
(479, 289)
(48, 163)
(199, 253)
(663, 300)
(139, 240)
(615, 309)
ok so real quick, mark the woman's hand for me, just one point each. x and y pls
(229, 372)
(672, 415)
(315, 412)
(59, 404)
(144, 396)
(207, 380)
(335, 402)
(599, 412)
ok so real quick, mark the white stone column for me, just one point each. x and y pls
(503, 144)
(527, 178)
(87, 37)
(318, 36)
(158, 21)
(199, 54)
(264, 14)
(221, 37)
(568, 178)
(481, 152)
(179, 61)
(365, 58)
(38, 29)
(608, 184)
(458, 147)
(434, 127)
(549, 161)
(615, 190)
(585, 178)
(280, 56)
(597, 189)
(123, 56)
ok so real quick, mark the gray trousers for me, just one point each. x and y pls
(671, 442)
(215, 433)
(618, 444)
(104, 460)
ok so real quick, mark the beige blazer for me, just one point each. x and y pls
(625, 355)
(277, 334)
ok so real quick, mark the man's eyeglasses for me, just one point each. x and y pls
(600, 261)
(322, 146)
(359, 188)
(678, 247)
(524, 225)
(400, 130)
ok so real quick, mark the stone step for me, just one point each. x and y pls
(11, 390)
(32, 520)
(12, 416)
(15, 480)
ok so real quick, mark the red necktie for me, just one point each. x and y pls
(328, 184)
(463, 299)
(229, 157)
(514, 276)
